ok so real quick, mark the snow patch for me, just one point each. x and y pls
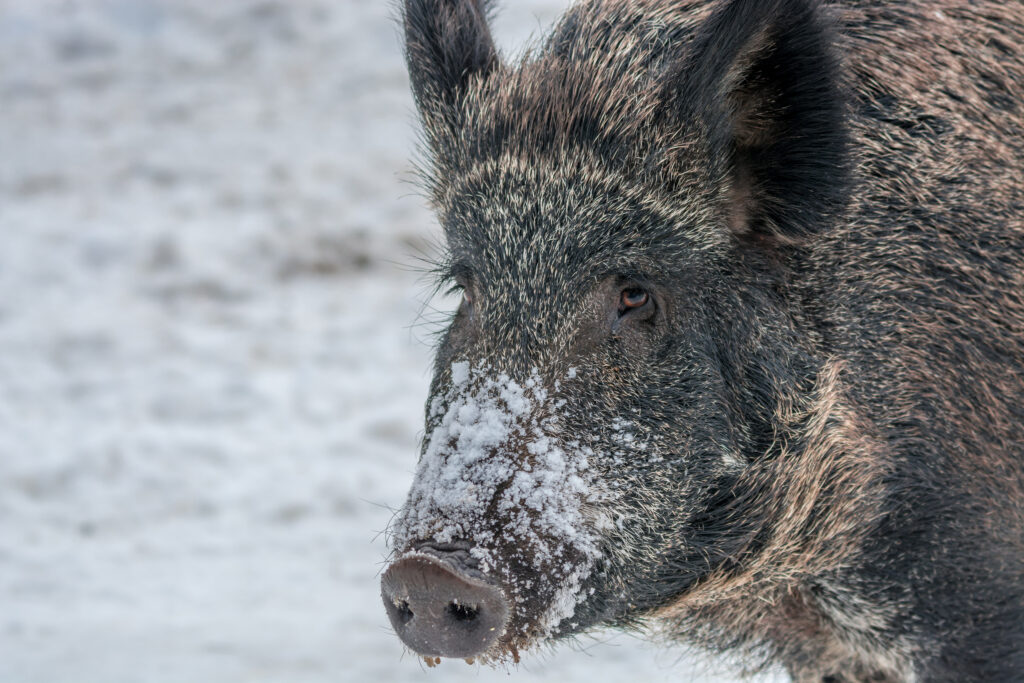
(495, 472)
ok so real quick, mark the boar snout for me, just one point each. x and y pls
(439, 610)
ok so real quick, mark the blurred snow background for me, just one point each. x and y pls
(212, 354)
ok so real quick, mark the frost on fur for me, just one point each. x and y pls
(496, 472)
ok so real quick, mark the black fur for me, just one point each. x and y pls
(762, 79)
(447, 43)
(824, 202)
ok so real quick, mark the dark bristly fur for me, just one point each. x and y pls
(825, 204)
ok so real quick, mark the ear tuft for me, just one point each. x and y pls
(763, 79)
(447, 42)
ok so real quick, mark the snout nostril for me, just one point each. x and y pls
(463, 613)
(439, 609)
(405, 614)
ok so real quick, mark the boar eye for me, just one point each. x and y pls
(632, 299)
(462, 289)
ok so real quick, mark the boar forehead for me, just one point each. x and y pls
(531, 235)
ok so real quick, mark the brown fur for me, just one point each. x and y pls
(817, 506)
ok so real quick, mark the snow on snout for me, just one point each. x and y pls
(493, 450)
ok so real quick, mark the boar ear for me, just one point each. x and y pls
(447, 43)
(763, 79)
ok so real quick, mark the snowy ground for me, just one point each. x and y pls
(212, 354)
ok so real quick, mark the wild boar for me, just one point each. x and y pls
(740, 356)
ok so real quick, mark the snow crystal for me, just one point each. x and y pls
(460, 373)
